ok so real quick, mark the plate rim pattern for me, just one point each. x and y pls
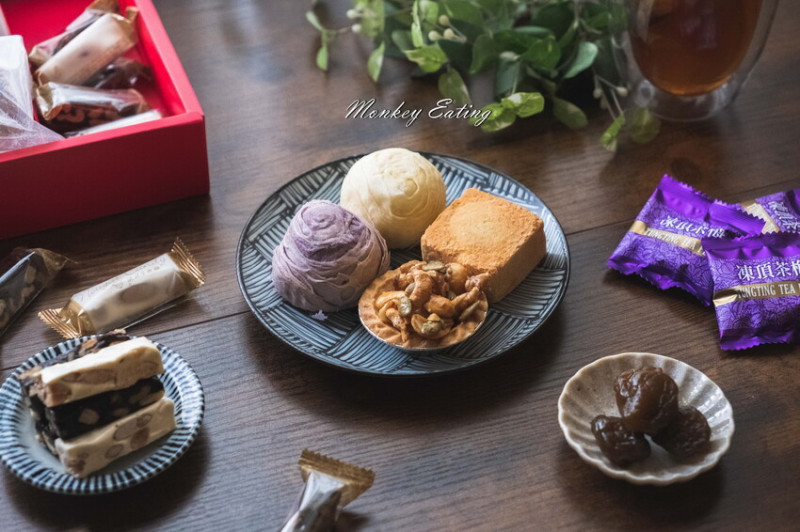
(445, 364)
(181, 384)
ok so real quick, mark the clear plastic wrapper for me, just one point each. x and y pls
(122, 73)
(69, 107)
(44, 50)
(141, 118)
(330, 485)
(90, 51)
(18, 129)
(129, 297)
(23, 275)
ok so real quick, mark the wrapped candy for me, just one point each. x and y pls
(44, 50)
(69, 107)
(129, 297)
(663, 244)
(330, 485)
(780, 211)
(756, 288)
(23, 275)
(107, 38)
(140, 118)
(122, 73)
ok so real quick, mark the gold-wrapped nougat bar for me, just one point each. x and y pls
(129, 297)
(114, 368)
(95, 450)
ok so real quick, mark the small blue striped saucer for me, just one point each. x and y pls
(29, 461)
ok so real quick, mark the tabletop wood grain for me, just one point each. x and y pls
(477, 450)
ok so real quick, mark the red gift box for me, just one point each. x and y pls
(95, 175)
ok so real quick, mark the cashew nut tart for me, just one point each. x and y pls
(424, 305)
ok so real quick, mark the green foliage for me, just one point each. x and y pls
(532, 49)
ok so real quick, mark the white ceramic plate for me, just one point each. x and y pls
(590, 392)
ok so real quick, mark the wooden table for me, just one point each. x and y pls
(478, 450)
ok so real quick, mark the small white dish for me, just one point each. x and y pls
(590, 393)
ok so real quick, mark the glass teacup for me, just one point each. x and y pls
(687, 59)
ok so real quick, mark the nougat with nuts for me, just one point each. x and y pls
(95, 450)
(113, 368)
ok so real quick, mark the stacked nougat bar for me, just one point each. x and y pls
(99, 401)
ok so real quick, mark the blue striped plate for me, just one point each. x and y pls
(30, 461)
(340, 339)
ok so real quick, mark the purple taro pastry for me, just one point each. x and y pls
(663, 244)
(327, 258)
(780, 211)
(756, 288)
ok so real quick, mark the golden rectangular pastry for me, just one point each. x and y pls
(491, 235)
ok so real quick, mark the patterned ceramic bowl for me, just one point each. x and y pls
(590, 392)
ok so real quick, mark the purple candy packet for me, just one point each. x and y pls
(757, 288)
(780, 211)
(663, 244)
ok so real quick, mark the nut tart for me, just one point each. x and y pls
(424, 305)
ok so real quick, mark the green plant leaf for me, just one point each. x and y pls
(375, 61)
(373, 19)
(513, 41)
(500, 117)
(459, 53)
(429, 11)
(534, 31)
(429, 58)
(587, 51)
(604, 65)
(322, 57)
(509, 73)
(543, 54)
(569, 35)
(610, 137)
(402, 39)
(463, 11)
(556, 16)
(484, 53)
(596, 17)
(644, 125)
(416, 26)
(451, 85)
(312, 18)
(524, 104)
(569, 114)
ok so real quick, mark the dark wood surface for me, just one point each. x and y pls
(478, 450)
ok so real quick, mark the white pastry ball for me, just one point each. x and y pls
(396, 190)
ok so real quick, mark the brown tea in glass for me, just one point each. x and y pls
(691, 47)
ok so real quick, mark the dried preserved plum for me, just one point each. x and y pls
(647, 399)
(619, 444)
(687, 435)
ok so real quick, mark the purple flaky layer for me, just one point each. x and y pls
(757, 288)
(780, 211)
(327, 258)
(663, 245)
